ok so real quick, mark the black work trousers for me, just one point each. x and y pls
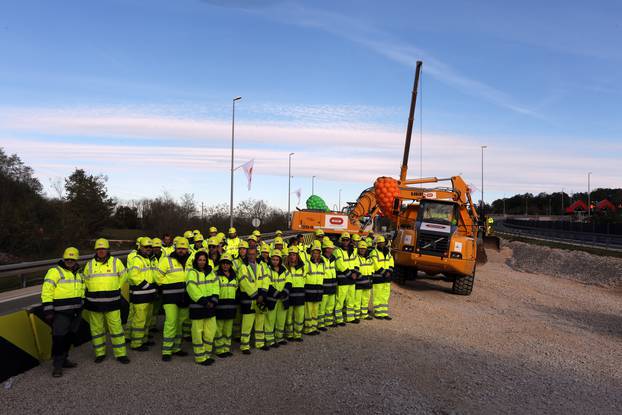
(64, 329)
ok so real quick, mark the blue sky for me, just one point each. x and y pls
(142, 93)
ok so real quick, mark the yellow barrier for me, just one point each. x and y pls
(18, 347)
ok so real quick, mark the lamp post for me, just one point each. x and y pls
(589, 200)
(483, 204)
(289, 191)
(339, 206)
(232, 154)
(313, 185)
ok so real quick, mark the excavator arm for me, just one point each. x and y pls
(365, 206)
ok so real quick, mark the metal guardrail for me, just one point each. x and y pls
(586, 239)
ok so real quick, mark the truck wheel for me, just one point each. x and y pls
(401, 274)
(463, 285)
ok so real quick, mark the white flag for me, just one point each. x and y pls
(248, 171)
(298, 193)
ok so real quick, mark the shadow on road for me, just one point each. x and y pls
(425, 283)
(595, 322)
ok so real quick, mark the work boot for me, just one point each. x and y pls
(181, 353)
(222, 355)
(388, 318)
(298, 340)
(100, 359)
(356, 321)
(369, 318)
(68, 364)
(246, 351)
(275, 346)
(57, 372)
(207, 362)
(142, 348)
(342, 323)
(323, 328)
(123, 359)
(228, 354)
(265, 348)
(379, 317)
(283, 342)
(167, 357)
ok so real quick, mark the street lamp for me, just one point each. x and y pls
(313, 185)
(339, 206)
(483, 204)
(289, 191)
(232, 147)
(589, 200)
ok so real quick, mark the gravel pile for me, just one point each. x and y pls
(577, 265)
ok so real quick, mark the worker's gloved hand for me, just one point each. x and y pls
(204, 301)
(49, 317)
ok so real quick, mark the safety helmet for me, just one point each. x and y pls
(278, 233)
(243, 244)
(278, 241)
(212, 229)
(213, 241)
(265, 248)
(362, 245)
(156, 243)
(102, 243)
(71, 253)
(188, 234)
(252, 238)
(146, 241)
(138, 240)
(182, 243)
(356, 237)
(344, 235)
(293, 249)
(177, 238)
(226, 257)
(319, 232)
(256, 232)
(316, 246)
(198, 238)
(232, 230)
(276, 252)
(328, 244)
(380, 238)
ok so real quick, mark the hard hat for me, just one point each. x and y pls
(198, 238)
(278, 241)
(226, 257)
(213, 241)
(232, 230)
(344, 235)
(276, 252)
(71, 253)
(328, 244)
(490, 220)
(319, 232)
(188, 234)
(196, 231)
(265, 248)
(285, 251)
(293, 249)
(316, 246)
(102, 243)
(356, 237)
(277, 233)
(380, 238)
(252, 238)
(156, 243)
(146, 241)
(362, 245)
(243, 244)
(256, 232)
(213, 229)
(182, 243)
(138, 240)
(177, 238)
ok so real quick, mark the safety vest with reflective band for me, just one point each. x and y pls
(330, 276)
(383, 265)
(141, 280)
(366, 269)
(247, 281)
(314, 281)
(62, 290)
(203, 288)
(263, 280)
(171, 278)
(227, 303)
(344, 266)
(103, 282)
(279, 286)
(232, 246)
(167, 250)
(298, 276)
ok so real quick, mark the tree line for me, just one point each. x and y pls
(34, 225)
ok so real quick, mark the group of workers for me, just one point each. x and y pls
(214, 289)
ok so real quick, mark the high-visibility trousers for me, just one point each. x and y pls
(237, 324)
(361, 303)
(128, 322)
(171, 335)
(99, 321)
(311, 316)
(155, 312)
(186, 327)
(275, 323)
(382, 292)
(245, 333)
(326, 312)
(224, 332)
(138, 324)
(344, 303)
(203, 334)
(295, 321)
(260, 328)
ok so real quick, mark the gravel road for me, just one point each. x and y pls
(522, 343)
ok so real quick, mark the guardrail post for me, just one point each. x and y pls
(22, 280)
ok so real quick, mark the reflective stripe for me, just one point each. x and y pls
(230, 285)
(67, 307)
(141, 292)
(50, 281)
(168, 339)
(64, 281)
(117, 335)
(173, 291)
(103, 300)
(225, 306)
(98, 336)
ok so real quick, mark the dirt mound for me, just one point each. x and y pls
(577, 265)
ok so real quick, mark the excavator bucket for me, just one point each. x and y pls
(492, 242)
(482, 258)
